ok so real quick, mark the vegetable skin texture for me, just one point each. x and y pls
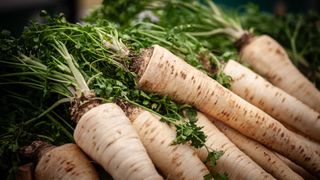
(272, 100)
(260, 154)
(175, 161)
(167, 74)
(234, 162)
(65, 162)
(296, 168)
(107, 136)
(269, 59)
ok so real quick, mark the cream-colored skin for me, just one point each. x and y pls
(296, 168)
(107, 136)
(66, 162)
(169, 75)
(260, 154)
(234, 162)
(174, 161)
(272, 100)
(269, 59)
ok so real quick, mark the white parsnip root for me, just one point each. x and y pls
(234, 162)
(174, 161)
(107, 136)
(276, 102)
(269, 59)
(296, 168)
(162, 72)
(260, 154)
(66, 162)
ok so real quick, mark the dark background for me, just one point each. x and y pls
(15, 14)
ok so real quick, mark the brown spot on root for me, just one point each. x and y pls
(279, 52)
(172, 69)
(183, 75)
(135, 169)
(244, 40)
(153, 129)
(216, 102)
(59, 169)
(151, 140)
(110, 143)
(179, 174)
(307, 158)
(261, 102)
(175, 148)
(69, 167)
(178, 164)
(245, 112)
(279, 79)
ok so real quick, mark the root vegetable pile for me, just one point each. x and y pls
(134, 99)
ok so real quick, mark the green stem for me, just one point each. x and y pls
(21, 74)
(93, 77)
(45, 137)
(62, 49)
(57, 103)
(63, 120)
(66, 132)
(33, 85)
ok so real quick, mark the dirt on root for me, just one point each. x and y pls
(244, 40)
(131, 111)
(140, 62)
(82, 104)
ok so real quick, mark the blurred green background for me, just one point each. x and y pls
(15, 14)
